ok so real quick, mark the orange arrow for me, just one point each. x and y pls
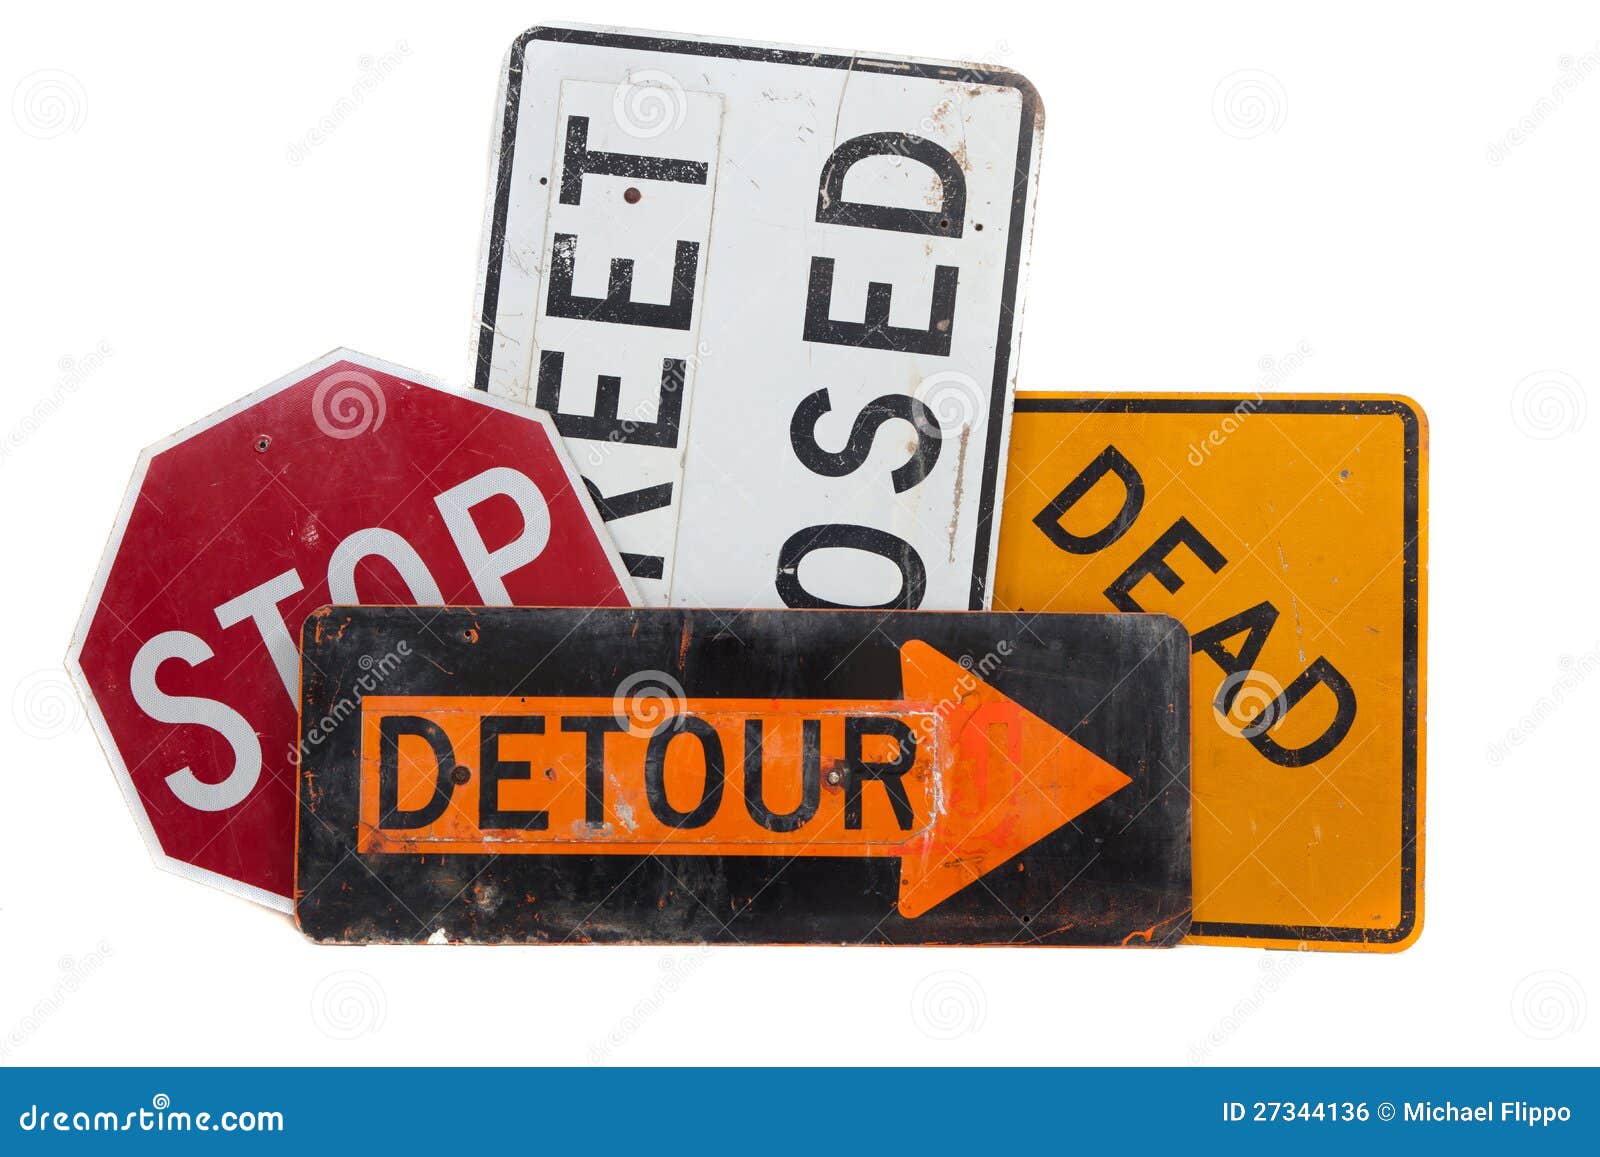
(954, 778)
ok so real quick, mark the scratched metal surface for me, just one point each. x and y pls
(771, 296)
(1118, 872)
(348, 478)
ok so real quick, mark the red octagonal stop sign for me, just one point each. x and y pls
(349, 480)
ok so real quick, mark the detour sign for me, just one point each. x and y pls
(904, 778)
(1288, 534)
(782, 776)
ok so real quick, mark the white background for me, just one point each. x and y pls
(1180, 242)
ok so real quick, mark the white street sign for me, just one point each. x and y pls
(772, 297)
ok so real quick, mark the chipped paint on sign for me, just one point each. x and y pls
(769, 775)
(350, 478)
(771, 297)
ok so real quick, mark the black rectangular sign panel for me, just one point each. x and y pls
(507, 775)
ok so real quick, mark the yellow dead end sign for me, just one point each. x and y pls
(1289, 535)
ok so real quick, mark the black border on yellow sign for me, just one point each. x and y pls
(1411, 585)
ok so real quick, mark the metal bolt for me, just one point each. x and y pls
(460, 774)
(262, 442)
(834, 778)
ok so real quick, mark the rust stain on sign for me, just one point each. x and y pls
(886, 191)
(818, 777)
(959, 807)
